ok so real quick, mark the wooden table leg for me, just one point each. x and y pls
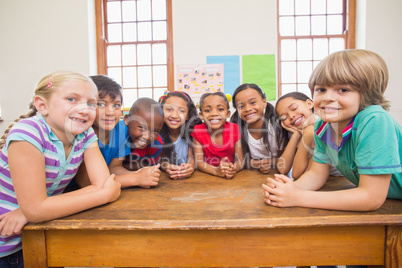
(34, 249)
(393, 250)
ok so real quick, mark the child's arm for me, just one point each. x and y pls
(27, 168)
(201, 164)
(145, 177)
(285, 161)
(369, 195)
(303, 157)
(11, 223)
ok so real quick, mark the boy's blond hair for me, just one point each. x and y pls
(364, 70)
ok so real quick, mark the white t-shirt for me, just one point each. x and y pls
(257, 148)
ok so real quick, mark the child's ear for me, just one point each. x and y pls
(309, 104)
(125, 119)
(41, 105)
(228, 113)
(264, 103)
(200, 115)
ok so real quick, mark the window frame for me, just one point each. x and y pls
(349, 36)
(101, 42)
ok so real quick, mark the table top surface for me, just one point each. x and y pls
(207, 202)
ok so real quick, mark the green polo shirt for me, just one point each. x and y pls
(372, 144)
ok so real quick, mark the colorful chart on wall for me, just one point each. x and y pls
(197, 79)
(231, 70)
(260, 70)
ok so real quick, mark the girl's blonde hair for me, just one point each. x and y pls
(364, 70)
(45, 88)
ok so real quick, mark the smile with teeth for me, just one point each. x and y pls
(249, 116)
(329, 109)
(141, 143)
(78, 120)
(174, 122)
(215, 121)
(298, 121)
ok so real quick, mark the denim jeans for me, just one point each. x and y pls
(14, 260)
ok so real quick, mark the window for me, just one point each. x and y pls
(134, 45)
(309, 30)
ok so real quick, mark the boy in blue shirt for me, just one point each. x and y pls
(144, 123)
(113, 137)
(355, 133)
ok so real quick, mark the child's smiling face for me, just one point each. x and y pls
(295, 113)
(108, 113)
(175, 112)
(214, 112)
(250, 105)
(143, 128)
(336, 104)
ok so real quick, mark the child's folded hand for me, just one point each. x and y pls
(149, 176)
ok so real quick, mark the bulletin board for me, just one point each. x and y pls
(197, 79)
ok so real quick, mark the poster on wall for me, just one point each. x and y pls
(197, 79)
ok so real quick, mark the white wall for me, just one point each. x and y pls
(46, 35)
(383, 27)
(38, 37)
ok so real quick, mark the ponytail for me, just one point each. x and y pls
(30, 113)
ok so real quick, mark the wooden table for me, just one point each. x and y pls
(207, 221)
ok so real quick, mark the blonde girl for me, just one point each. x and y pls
(42, 152)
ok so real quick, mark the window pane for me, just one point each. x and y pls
(113, 12)
(302, 7)
(286, 26)
(318, 6)
(144, 31)
(315, 63)
(336, 44)
(160, 76)
(129, 97)
(158, 92)
(144, 76)
(303, 88)
(145, 93)
(159, 54)
(286, 7)
(318, 25)
(304, 70)
(288, 88)
(129, 55)
(115, 73)
(303, 25)
(334, 6)
(320, 48)
(334, 24)
(288, 72)
(144, 54)
(114, 33)
(129, 77)
(129, 32)
(288, 49)
(304, 49)
(129, 11)
(113, 55)
(159, 9)
(159, 30)
(144, 10)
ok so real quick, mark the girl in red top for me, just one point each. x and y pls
(217, 145)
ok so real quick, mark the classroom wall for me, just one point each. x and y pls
(45, 35)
